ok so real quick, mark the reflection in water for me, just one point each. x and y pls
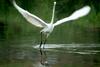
(53, 56)
(43, 59)
(67, 55)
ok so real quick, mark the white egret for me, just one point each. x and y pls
(47, 28)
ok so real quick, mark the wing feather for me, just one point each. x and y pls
(30, 17)
(77, 14)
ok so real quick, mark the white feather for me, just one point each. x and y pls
(30, 17)
(48, 27)
(77, 14)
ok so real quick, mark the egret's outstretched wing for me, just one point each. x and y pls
(77, 14)
(30, 17)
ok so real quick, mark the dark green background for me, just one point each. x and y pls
(15, 29)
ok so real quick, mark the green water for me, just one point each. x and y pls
(56, 55)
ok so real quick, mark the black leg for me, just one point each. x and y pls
(41, 41)
(44, 42)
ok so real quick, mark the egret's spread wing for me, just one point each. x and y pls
(77, 14)
(30, 17)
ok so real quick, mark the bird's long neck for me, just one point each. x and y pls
(52, 20)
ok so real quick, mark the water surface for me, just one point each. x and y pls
(54, 55)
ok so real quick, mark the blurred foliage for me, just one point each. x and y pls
(15, 29)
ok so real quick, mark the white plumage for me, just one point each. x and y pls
(48, 27)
